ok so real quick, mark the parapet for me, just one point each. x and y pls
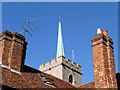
(61, 61)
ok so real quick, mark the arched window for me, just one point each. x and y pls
(70, 79)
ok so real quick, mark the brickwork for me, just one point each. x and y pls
(100, 62)
(13, 50)
(5, 40)
(103, 62)
(111, 62)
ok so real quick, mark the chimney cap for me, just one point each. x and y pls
(99, 30)
(105, 33)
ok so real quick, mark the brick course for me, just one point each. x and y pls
(111, 62)
(13, 50)
(103, 62)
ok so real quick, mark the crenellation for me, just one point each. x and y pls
(68, 61)
(78, 66)
(73, 63)
(47, 63)
(61, 60)
(42, 65)
(53, 61)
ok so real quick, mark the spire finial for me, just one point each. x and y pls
(59, 18)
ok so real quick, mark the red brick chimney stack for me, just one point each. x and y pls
(13, 50)
(103, 61)
(111, 61)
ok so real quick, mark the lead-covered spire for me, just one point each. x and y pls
(60, 48)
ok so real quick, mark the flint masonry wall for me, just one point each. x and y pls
(63, 69)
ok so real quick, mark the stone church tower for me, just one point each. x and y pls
(61, 67)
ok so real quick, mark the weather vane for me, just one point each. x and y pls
(28, 25)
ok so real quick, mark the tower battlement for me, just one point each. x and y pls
(61, 61)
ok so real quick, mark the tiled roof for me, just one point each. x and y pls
(87, 85)
(30, 80)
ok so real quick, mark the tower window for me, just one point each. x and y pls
(70, 79)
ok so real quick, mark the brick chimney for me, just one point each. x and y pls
(13, 50)
(111, 61)
(103, 61)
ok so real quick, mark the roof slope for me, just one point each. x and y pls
(30, 80)
(87, 85)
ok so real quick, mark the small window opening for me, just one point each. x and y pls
(70, 79)
(47, 80)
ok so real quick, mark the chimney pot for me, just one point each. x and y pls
(105, 33)
(99, 30)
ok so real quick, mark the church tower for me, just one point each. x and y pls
(61, 67)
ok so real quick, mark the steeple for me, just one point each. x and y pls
(60, 48)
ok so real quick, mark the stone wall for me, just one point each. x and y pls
(62, 69)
